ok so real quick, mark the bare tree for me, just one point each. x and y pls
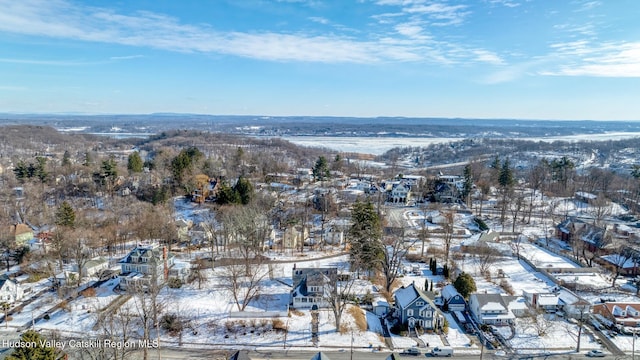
(538, 321)
(515, 206)
(485, 257)
(447, 235)
(337, 293)
(599, 208)
(396, 248)
(148, 307)
(619, 259)
(243, 286)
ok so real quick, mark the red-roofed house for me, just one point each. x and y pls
(621, 313)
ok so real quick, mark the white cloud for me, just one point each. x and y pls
(319, 20)
(65, 20)
(507, 3)
(613, 59)
(488, 57)
(127, 57)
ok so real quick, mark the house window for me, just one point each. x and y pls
(410, 312)
(420, 303)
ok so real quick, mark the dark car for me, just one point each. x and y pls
(411, 351)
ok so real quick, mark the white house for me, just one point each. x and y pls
(490, 309)
(94, 266)
(145, 264)
(10, 290)
(313, 286)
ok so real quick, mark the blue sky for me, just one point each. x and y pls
(525, 59)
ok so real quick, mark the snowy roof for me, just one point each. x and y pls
(548, 299)
(449, 291)
(516, 303)
(240, 355)
(586, 195)
(320, 356)
(617, 259)
(406, 295)
(490, 302)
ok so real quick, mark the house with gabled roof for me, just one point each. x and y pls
(490, 309)
(620, 313)
(312, 286)
(21, 234)
(10, 290)
(452, 299)
(145, 265)
(414, 308)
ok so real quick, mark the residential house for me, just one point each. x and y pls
(313, 286)
(145, 265)
(293, 236)
(95, 266)
(628, 265)
(547, 302)
(517, 305)
(490, 309)
(400, 193)
(10, 290)
(620, 313)
(452, 299)
(414, 308)
(21, 233)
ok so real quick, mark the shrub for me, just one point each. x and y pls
(171, 323)
(175, 283)
(359, 317)
(89, 292)
(46, 317)
(278, 325)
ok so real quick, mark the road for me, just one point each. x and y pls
(340, 355)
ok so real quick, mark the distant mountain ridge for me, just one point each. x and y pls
(255, 125)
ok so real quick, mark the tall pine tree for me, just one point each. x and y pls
(365, 237)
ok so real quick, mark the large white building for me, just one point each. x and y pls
(10, 290)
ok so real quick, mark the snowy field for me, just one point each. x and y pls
(379, 145)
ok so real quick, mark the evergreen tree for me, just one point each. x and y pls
(505, 179)
(66, 159)
(40, 171)
(321, 169)
(65, 215)
(465, 284)
(21, 171)
(426, 284)
(135, 163)
(365, 237)
(431, 287)
(445, 271)
(39, 351)
(467, 186)
(226, 195)
(244, 190)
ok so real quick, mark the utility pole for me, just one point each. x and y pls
(351, 356)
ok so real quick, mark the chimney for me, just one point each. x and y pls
(166, 267)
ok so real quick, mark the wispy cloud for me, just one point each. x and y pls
(75, 21)
(507, 3)
(46, 62)
(612, 59)
(588, 5)
(319, 20)
(127, 57)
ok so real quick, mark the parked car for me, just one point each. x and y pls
(595, 353)
(411, 351)
(442, 351)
